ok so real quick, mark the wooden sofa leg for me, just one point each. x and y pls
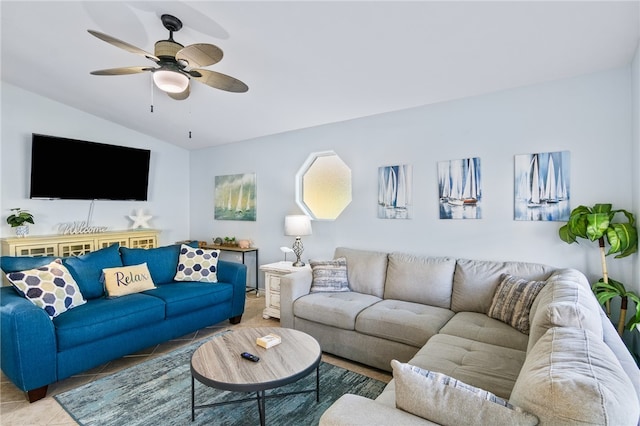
(235, 320)
(35, 394)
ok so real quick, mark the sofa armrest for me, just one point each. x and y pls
(236, 274)
(355, 410)
(292, 286)
(27, 337)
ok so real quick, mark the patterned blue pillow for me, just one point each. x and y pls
(50, 287)
(197, 264)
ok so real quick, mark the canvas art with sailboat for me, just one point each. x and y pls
(235, 197)
(459, 188)
(542, 186)
(394, 192)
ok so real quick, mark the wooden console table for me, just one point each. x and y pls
(77, 244)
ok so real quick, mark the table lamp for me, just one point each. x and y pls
(296, 226)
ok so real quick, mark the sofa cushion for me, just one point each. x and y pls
(329, 275)
(100, 318)
(161, 261)
(127, 280)
(451, 402)
(475, 281)
(87, 269)
(366, 270)
(566, 301)
(481, 328)
(426, 280)
(22, 263)
(405, 322)
(491, 367)
(185, 297)
(572, 377)
(50, 287)
(336, 309)
(197, 264)
(513, 299)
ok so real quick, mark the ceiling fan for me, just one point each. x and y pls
(176, 64)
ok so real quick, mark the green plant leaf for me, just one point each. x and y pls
(566, 235)
(602, 208)
(597, 225)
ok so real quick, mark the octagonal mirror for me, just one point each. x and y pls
(323, 186)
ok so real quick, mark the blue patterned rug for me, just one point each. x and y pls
(158, 392)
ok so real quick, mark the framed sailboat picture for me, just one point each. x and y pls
(395, 191)
(542, 186)
(459, 189)
(235, 197)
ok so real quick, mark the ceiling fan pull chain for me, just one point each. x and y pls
(151, 80)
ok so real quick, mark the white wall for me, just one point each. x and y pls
(590, 116)
(24, 113)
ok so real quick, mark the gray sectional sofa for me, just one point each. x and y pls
(425, 317)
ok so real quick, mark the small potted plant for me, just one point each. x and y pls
(19, 219)
(230, 241)
(598, 223)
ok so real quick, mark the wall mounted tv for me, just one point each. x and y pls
(71, 169)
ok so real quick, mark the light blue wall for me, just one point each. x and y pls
(24, 113)
(590, 116)
(635, 78)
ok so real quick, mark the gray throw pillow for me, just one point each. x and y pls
(512, 301)
(329, 275)
(448, 401)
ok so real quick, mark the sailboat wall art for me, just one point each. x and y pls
(459, 189)
(235, 197)
(542, 186)
(395, 192)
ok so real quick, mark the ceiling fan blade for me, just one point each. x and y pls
(200, 55)
(123, 45)
(121, 71)
(182, 95)
(219, 81)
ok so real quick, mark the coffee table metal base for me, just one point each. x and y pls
(260, 398)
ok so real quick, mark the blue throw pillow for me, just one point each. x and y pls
(161, 261)
(87, 269)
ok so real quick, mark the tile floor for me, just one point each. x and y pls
(15, 410)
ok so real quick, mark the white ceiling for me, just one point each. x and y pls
(306, 63)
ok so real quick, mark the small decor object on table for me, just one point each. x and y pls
(268, 341)
(18, 220)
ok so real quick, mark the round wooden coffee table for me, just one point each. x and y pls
(218, 364)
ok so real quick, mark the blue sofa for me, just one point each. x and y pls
(37, 350)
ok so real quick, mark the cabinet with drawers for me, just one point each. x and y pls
(273, 272)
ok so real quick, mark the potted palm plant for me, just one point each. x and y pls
(19, 219)
(598, 223)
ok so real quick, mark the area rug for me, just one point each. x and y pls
(158, 392)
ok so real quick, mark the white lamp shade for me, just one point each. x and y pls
(170, 81)
(297, 225)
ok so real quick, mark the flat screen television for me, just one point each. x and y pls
(71, 169)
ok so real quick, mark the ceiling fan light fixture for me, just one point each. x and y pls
(170, 81)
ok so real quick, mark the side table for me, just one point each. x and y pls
(242, 251)
(272, 274)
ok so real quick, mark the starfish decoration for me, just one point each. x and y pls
(140, 220)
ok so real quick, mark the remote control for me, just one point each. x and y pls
(250, 357)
